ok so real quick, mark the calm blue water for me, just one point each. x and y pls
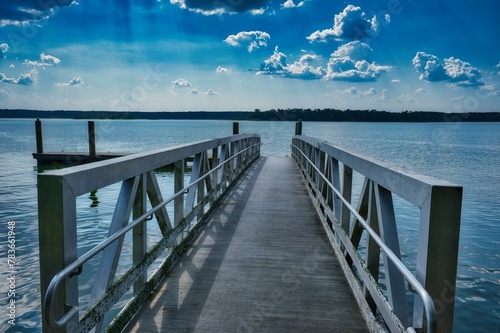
(463, 153)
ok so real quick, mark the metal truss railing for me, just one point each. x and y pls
(216, 165)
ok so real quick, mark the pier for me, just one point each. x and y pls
(252, 243)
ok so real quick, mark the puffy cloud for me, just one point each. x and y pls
(194, 91)
(276, 65)
(291, 4)
(23, 79)
(420, 91)
(3, 49)
(46, 60)
(75, 82)
(251, 39)
(223, 6)
(349, 63)
(17, 12)
(181, 83)
(454, 71)
(355, 50)
(352, 23)
(303, 70)
(221, 69)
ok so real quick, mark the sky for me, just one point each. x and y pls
(219, 55)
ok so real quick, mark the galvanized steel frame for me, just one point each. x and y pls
(57, 193)
(440, 209)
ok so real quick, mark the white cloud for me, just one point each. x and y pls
(491, 89)
(210, 92)
(223, 7)
(251, 39)
(194, 91)
(291, 4)
(498, 67)
(420, 91)
(3, 49)
(454, 71)
(17, 12)
(181, 83)
(276, 65)
(352, 23)
(303, 70)
(23, 79)
(46, 60)
(396, 81)
(221, 69)
(75, 82)
(348, 63)
(358, 93)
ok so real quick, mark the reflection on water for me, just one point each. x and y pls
(95, 200)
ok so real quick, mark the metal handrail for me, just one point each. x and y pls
(75, 268)
(417, 287)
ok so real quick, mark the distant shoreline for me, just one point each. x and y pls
(274, 114)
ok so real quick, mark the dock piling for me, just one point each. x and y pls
(298, 127)
(92, 139)
(236, 128)
(39, 140)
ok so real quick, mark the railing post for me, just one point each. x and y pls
(178, 185)
(140, 244)
(39, 139)
(91, 139)
(236, 128)
(57, 239)
(438, 253)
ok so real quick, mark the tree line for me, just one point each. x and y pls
(294, 114)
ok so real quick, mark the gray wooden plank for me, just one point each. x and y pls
(261, 264)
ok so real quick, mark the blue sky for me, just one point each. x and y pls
(179, 55)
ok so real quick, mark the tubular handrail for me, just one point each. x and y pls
(75, 268)
(417, 287)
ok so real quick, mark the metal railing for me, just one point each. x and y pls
(328, 173)
(211, 177)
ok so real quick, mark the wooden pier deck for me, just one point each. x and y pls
(262, 263)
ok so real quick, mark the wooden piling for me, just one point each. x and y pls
(236, 128)
(298, 127)
(92, 139)
(39, 140)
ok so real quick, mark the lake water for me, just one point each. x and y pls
(467, 154)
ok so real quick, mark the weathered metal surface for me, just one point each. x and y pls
(439, 231)
(59, 309)
(262, 263)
